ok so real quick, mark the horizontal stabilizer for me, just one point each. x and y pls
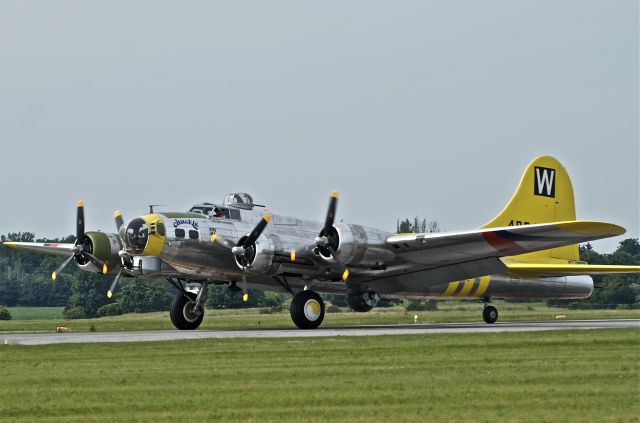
(542, 270)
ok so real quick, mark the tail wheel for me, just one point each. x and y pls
(490, 314)
(307, 310)
(182, 314)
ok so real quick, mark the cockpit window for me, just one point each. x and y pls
(194, 234)
(179, 233)
(201, 210)
(136, 235)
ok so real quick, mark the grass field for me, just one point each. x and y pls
(36, 313)
(453, 312)
(589, 375)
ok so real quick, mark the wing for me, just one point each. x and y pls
(442, 249)
(46, 247)
(549, 270)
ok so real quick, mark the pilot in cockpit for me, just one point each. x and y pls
(218, 212)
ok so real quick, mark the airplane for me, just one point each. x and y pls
(528, 251)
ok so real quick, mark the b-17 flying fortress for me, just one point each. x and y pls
(529, 250)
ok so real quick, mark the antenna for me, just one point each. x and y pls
(151, 206)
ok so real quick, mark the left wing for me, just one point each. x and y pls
(442, 249)
(43, 247)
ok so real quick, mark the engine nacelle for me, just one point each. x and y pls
(258, 256)
(358, 246)
(104, 246)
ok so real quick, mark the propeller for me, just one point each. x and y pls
(117, 215)
(328, 239)
(244, 250)
(80, 252)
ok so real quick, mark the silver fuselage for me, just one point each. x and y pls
(188, 252)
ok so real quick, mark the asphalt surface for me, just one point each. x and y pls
(418, 329)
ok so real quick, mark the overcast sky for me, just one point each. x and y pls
(405, 108)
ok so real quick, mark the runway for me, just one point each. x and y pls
(419, 329)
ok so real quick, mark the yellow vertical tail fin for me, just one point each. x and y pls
(544, 195)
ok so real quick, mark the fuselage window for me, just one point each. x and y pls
(179, 233)
(193, 234)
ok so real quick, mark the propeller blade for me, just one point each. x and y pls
(113, 285)
(60, 268)
(99, 263)
(80, 223)
(334, 254)
(331, 213)
(245, 294)
(345, 274)
(257, 231)
(222, 241)
(119, 220)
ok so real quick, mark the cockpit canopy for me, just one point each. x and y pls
(229, 208)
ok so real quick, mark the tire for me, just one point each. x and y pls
(307, 310)
(357, 303)
(490, 314)
(181, 316)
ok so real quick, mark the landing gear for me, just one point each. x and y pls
(307, 310)
(184, 313)
(363, 302)
(490, 314)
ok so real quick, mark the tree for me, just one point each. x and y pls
(418, 225)
(142, 296)
(610, 291)
(5, 314)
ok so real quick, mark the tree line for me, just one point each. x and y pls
(25, 280)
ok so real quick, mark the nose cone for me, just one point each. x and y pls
(135, 235)
(144, 235)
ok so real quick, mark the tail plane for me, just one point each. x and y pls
(544, 195)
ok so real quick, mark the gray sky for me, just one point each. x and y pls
(412, 107)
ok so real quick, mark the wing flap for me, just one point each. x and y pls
(43, 247)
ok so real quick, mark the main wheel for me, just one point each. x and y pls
(182, 314)
(358, 303)
(490, 314)
(307, 310)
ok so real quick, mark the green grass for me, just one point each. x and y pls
(451, 312)
(587, 375)
(36, 313)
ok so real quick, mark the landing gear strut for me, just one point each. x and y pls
(490, 314)
(307, 310)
